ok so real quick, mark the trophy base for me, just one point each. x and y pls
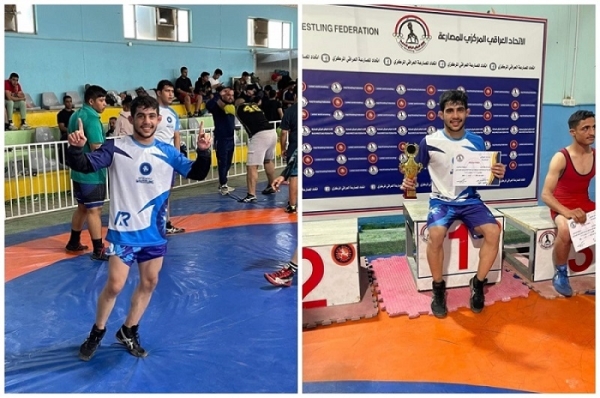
(410, 195)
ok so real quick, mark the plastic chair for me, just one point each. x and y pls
(77, 100)
(44, 134)
(30, 104)
(50, 102)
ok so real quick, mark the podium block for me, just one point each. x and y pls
(330, 263)
(461, 250)
(536, 222)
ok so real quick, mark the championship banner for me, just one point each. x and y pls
(372, 78)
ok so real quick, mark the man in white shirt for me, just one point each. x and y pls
(167, 131)
(214, 80)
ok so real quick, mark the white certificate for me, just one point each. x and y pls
(474, 169)
(583, 235)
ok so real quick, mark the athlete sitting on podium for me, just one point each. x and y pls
(566, 189)
(449, 203)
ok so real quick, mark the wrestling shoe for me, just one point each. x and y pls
(75, 248)
(283, 277)
(268, 190)
(290, 209)
(477, 300)
(90, 345)
(248, 199)
(130, 338)
(101, 256)
(225, 190)
(560, 281)
(172, 230)
(438, 300)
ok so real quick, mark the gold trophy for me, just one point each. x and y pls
(410, 168)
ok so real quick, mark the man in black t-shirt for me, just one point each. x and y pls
(261, 146)
(272, 107)
(62, 118)
(184, 90)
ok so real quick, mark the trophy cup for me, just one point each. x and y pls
(410, 168)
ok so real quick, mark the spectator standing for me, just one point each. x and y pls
(90, 188)
(123, 125)
(223, 113)
(167, 131)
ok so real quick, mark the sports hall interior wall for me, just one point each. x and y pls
(79, 44)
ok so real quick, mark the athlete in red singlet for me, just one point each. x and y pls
(566, 190)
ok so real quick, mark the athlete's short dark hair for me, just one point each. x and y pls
(578, 117)
(145, 102)
(453, 96)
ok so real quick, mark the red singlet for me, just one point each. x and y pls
(572, 188)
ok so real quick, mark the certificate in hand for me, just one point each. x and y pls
(474, 169)
(583, 235)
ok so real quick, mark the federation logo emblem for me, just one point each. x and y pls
(514, 144)
(145, 168)
(306, 147)
(372, 158)
(487, 116)
(487, 130)
(401, 89)
(514, 130)
(401, 103)
(431, 129)
(369, 88)
(402, 158)
(546, 240)
(371, 130)
(343, 254)
(370, 114)
(307, 160)
(514, 116)
(431, 89)
(370, 103)
(512, 165)
(461, 88)
(430, 115)
(402, 130)
(411, 33)
(340, 147)
(339, 130)
(460, 158)
(431, 103)
(402, 115)
(372, 147)
(487, 104)
(308, 172)
(304, 102)
(512, 155)
(515, 92)
(341, 159)
(514, 105)
(304, 114)
(373, 170)
(488, 145)
(305, 130)
(342, 171)
(487, 91)
(338, 115)
(336, 87)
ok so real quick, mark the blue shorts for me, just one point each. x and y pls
(130, 254)
(442, 215)
(89, 195)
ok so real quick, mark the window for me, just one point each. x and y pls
(19, 18)
(269, 33)
(155, 23)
